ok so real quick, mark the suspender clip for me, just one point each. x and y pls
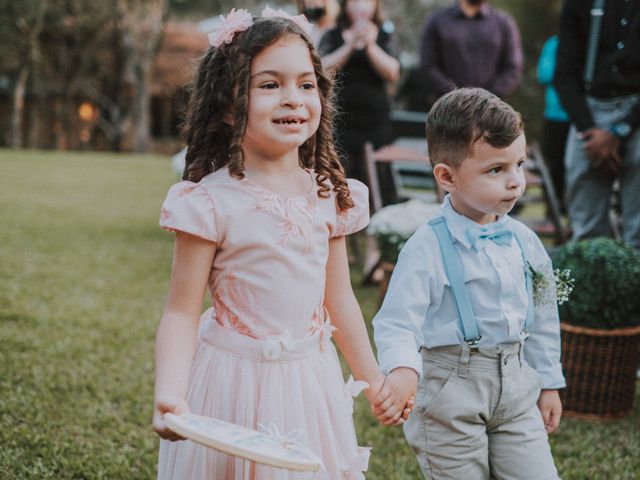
(473, 342)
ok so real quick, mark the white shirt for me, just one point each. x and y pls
(419, 309)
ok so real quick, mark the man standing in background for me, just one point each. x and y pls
(470, 44)
(603, 103)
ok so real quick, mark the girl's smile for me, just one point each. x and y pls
(284, 103)
(291, 123)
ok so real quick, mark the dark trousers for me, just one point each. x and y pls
(351, 142)
(552, 144)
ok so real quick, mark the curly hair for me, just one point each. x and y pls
(216, 116)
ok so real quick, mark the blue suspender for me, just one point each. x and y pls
(455, 274)
(528, 280)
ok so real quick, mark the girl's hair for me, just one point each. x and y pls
(343, 21)
(216, 116)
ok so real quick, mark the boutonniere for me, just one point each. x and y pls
(544, 286)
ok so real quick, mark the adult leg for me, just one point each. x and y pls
(553, 145)
(630, 192)
(588, 192)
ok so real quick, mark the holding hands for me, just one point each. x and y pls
(393, 400)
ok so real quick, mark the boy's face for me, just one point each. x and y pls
(488, 182)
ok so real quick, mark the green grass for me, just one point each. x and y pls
(83, 274)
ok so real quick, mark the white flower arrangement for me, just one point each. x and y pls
(393, 225)
(564, 284)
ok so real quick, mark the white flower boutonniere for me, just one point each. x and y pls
(544, 286)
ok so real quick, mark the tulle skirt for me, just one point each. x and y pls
(296, 385)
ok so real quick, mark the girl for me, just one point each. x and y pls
(260, 219)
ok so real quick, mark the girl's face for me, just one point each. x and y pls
(360, 10)
(284, 102)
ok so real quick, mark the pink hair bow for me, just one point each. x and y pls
(236, 21)
(300, 20)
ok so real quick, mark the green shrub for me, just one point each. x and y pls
(607, 283)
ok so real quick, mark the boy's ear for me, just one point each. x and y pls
(445, 176)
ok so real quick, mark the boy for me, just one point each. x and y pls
(460, 307)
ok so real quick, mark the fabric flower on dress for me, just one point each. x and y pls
(326, 332)
(236, 21)
(359, 464)
(272, 346)
(352, 389)
(300, 20)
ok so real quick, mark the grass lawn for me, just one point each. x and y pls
(83, 274)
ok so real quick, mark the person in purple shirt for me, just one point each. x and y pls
(470, 44)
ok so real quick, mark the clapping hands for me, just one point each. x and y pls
(361, 34)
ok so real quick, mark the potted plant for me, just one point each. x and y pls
(600, 326)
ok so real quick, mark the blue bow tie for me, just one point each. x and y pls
(498, 233)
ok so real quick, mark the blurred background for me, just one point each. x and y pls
(85, 86)
(111, 75)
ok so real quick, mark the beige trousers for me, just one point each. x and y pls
(476, 416)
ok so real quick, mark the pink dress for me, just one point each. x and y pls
(264, 354)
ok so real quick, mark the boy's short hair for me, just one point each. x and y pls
(462, 117)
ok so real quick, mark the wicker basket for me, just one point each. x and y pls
(600, 368)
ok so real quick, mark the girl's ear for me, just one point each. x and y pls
(445, 175)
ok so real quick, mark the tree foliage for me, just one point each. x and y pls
(100, 51)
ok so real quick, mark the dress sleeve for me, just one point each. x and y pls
(189, 208)
(355, 218)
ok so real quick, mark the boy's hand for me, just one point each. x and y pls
(163, 406)
(376, 386)
(395, 400)
(550, 407)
